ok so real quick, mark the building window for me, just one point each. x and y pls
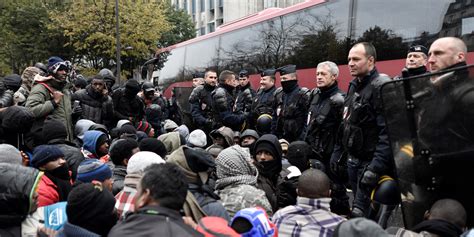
(211, 4)
(193, 7)
(185, 5)
(211, 27)
(202, 5)
(202, 31)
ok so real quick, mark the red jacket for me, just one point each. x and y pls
(47, 192)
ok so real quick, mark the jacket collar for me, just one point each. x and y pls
(159, 211)
(315, 203)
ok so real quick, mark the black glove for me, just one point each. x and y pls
(369, 179)
(77, 111)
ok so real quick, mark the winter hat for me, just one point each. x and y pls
(91, 206)
(9, 154)
(80, 82)
(28, 75)
(170, 125)
(141, 135)
(122, 149)
(154, 145)
(122, 122)
(299, 153)
(359, 227)
(211, 226)
(18, 119)
(144, 126)
(142, 159)
(197, 138)
(253, 222)
(132, 85)
(92, 169)
(54, 129)
(284, 145)
(249, 132)
(268, 142)
(183, 131)
(12, 82)
(53, 61)
(44, 154)
(129, 131)
(81, 127)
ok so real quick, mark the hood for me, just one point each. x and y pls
(183, 131)
(171, 141)
(90, 140)
(193, 163)
(271, 141)
(28, 76)
(17, 185)
(81, 127)
(226, 132)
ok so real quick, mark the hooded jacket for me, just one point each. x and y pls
(17, 185)
(171, 140)
(41, 103)
(90, 143)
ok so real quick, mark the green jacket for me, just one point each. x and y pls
(40, 103)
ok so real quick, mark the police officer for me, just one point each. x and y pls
(324, 118)
(416, 61)
(289, 120)
(265, 97)
(245, 93)
(201, 103)
(223, 108)
(364, 136)
(198, 79)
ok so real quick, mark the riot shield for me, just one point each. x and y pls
(430, 122)
(182, 97)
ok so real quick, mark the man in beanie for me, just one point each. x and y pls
(90, 211)
(153, 145)
(312, 208)
(96, 144)
(54, 133)
(55, 184)
(135, 168)
(127, 104)
(79, 83)
(245, 93)
(161, 194)
(195, 165)
(197, 139)
(23, 92)
(150, 96)
(146, 127)
(120, 152)
(267, 159)
(95, 102)
(93, 170)
(248, 139)
(50, 99)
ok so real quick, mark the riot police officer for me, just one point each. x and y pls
(324, 118)
(416, 61)
(264, 99)
(364, 136)
(201, 102)
(290, 106)
(245, 93)
(223, 107)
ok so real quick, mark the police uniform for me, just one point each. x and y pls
(201, 107)
(245, 96)
(289, 120)
(263, 102)
(364, 137)
(223, 106)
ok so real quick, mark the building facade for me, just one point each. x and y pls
(207, 15)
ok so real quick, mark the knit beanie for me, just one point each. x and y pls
(132, 85)
(142, 159)
(197, 138)
(9, 154)
(92, 169)
(154, 145)
(54, 129)
(81, 127)
(45, 153)
(359, 227)
(53, 60)
(129, 130)
(141, 135)
(144, 126)
(122, 149)
(299, 153)
(91, 207)
(122, 122)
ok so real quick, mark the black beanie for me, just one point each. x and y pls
(132, 85)
(91, 207)
(122, 149)
(128, 129)
(54, 129)
(153, 145)
(299, 153)
(266, 146)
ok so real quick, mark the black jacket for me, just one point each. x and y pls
(245, 98)
(125, 108)
(95, 107)
(223, 108)
(153, 221)
(201, 106)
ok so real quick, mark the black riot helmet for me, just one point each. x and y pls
(264, 124)
(385, 197)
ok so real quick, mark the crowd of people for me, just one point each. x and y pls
(85, 157)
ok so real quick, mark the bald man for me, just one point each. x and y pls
(446, 128)
(311, 216)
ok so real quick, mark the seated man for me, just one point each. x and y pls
(161, 194)
(311, 216)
